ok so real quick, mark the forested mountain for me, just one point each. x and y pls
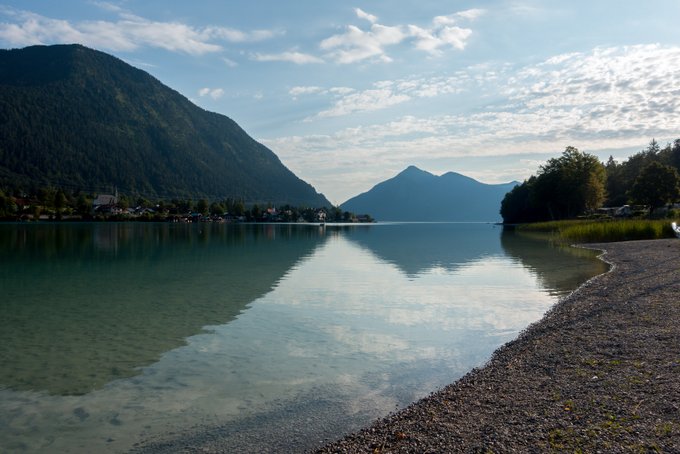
(416, 195)
(77, 118)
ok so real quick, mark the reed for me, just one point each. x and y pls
(601, 231)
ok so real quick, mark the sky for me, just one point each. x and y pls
(350, 93)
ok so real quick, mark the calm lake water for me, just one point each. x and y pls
(119, 337)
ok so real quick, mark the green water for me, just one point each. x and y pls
(122, 336)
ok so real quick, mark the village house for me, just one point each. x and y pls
(105, 203)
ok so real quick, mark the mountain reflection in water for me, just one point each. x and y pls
(262, 338)
(444, 245)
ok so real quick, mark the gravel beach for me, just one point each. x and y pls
(599, 373)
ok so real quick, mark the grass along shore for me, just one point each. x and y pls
(603, 230)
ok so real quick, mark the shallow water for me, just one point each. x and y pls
(274, 337)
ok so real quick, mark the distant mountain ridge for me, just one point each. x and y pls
(79, 118)
(417, 195)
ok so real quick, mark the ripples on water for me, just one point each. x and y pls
(274, 336)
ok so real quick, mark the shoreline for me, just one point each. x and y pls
(599, 372)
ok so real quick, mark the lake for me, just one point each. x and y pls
(131, 336)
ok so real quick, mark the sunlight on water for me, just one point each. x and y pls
(309, 331)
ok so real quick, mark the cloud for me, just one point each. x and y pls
(238, 36)
(614, 98)
(445, 32)
(341, 90)
(128, 33)
(297, 91)
(383, 94)
(106, 6)
(356, 45)
(293, 57)
(229, 62)
(364, 15)
(432, 41)
(214, 93)
(615, 90)
(364, 101)
(471, 14)
(605, 91)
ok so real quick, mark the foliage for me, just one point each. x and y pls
(518, 204)
(203, 207)
(589, 231)
(621, 176)
(51, 204)
(656, 185)
(78, 119)
(564, 188)
(574, 184)
(8, 206)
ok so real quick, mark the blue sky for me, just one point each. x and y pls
(348, 94)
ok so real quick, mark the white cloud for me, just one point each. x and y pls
(608, 99)
(432, 41)
(297, 91)
(214, 93)
(106, 6)
(471, 14)
(238, 36)
(367, 100)
(383, 94)
(612, 91)
(356, 45)
(293, 57)
(341, 90)
(229, 62)
(336, 92)
(444, 32)
(128, 33)
(364, 15)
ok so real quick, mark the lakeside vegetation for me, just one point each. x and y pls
(577, 184)
(59, 205)
(577, 198)
(602, 230)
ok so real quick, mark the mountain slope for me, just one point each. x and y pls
(78, 118)
(416, 195)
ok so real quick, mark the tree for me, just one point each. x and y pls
(59, 202)
(571, 184)
(656, 185)
(255, 212)
(202, 207)
(517, 205)
(83, 205)
(143, 202)
(565, 187)
(239, 208)
(8, 207)
(671, 155)
(216, 209)
(616, 185)
(123, 203)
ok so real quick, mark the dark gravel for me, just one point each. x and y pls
(599, 373)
